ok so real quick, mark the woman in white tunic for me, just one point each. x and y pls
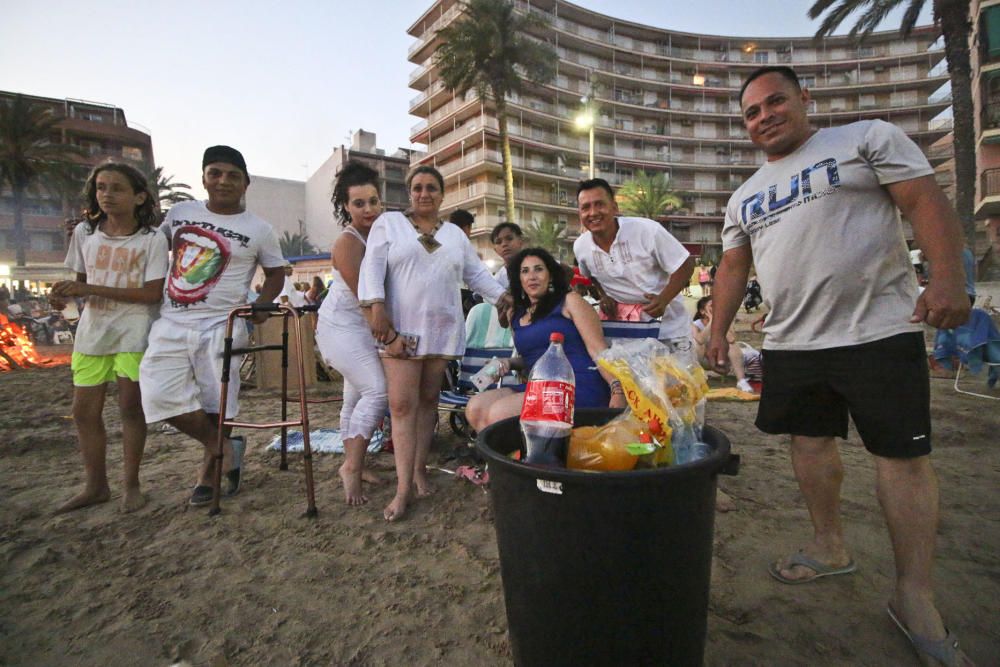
(411, 279)
(342, 334)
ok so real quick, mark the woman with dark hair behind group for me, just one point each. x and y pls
(342, 333)
(410, 280)
(543, 304)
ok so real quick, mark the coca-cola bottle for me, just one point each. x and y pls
(547, 415)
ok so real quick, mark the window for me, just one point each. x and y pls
(761, 57)
(866, 101)
(866, 51)
(41, 242)
(90, 147)
(132, 153)
(808, 81)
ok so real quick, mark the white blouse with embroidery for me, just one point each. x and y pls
(421, 288)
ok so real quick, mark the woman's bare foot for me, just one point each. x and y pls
(422, 484)
(368, 475)
(351, 479)
(132, 500)
(396, 510)
(723, 502)
(85, 498)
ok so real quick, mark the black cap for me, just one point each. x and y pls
(226, 154)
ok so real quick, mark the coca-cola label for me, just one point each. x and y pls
(549, 400)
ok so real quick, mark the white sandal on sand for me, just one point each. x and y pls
(945, 651)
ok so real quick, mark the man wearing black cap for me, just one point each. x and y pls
(216, 247)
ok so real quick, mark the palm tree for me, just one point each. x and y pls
(952, 17)
(166, 190)
(648, 195)
(296, 245)
(487, 49)
(547, 233)
(30, 161)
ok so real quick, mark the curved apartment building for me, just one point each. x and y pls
(663, 101)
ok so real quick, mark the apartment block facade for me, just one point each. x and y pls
(985, 55)
(100, 131)
(663, 102)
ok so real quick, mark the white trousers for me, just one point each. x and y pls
(350, 349)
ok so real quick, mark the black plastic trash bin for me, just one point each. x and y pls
(604, 568)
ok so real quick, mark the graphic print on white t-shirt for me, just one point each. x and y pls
(200, 255)
(213, 261)
(820, 180)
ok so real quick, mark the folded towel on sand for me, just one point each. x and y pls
(326, 440)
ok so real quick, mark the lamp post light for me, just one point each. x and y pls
(585, 121)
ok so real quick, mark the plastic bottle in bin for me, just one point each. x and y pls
(547, 415)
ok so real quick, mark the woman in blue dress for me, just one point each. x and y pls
(543, 304)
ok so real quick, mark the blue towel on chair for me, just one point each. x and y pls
(975, 343)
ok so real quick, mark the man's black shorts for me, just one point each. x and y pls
(884, 386)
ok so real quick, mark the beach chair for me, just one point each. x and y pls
(624, 331)
(975, 345)
(455, 397)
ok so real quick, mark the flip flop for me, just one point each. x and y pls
(945, 651)
(820, 569)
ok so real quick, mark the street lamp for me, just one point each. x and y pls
(585, 121)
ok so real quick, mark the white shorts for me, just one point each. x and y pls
(181, 371)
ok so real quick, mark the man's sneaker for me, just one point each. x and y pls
(743, 385)
(233, 477)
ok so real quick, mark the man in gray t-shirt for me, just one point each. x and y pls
(843, 334)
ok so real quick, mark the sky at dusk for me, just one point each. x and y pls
(282, 82)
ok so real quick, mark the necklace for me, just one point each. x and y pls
(427, 239)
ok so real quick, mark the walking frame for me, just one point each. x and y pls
(287, 313)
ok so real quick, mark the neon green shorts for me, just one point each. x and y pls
(94, 370)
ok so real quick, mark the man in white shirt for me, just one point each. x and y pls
(216, 247)
(635, 261)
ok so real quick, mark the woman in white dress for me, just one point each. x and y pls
(342, 333)
(411, 279)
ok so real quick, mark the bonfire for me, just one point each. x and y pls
(16, 349)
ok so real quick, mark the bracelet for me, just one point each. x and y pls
(390, 342)
(616, 387)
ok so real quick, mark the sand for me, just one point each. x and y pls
(260, 585)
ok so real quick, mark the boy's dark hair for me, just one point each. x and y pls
(592, 183)
(557, 275)
(354, 173)
(512, 226)
(145, 213)
(462, 218)
(786, 73)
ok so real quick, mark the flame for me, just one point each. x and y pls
(15, 346)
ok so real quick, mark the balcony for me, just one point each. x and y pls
(472, 127)
(989, 120)
(989, 194)
(430, 33)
